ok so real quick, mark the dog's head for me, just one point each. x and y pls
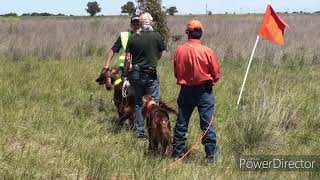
(109, 77)
(147, 101)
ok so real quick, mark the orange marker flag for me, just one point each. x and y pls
(272, 27)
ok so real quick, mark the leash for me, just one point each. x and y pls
(174, 164)
(125, 87)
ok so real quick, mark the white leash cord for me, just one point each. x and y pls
(125, 87)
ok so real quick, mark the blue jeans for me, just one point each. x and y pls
(189, 98)
(146, 85)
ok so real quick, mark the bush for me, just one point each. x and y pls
(172, 10)
(10, 15)
(93, 8)
(160, 18)
(129, 8)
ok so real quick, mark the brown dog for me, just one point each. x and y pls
(158, 125)
(125, 105)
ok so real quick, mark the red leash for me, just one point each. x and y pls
(193, 147)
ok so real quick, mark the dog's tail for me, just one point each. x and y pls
(167, 108)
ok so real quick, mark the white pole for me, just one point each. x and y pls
(247, 72)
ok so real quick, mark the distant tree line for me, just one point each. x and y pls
(42, 14)
(33, 14)
(10, 14)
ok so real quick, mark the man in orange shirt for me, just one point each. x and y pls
(196, 69)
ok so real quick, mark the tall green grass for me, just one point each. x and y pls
(57, 123)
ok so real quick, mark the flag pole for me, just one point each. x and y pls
(247, 72)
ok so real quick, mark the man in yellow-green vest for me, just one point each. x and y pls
(121, 44)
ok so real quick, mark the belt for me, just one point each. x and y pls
(148, 70)
(203, 84)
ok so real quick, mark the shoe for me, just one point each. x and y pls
(141, 136)
(127, 122)
(176, 157)
(212, 158)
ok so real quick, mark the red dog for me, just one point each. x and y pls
(158, 125)
(125, 105)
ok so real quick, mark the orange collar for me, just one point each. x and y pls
(149, 104)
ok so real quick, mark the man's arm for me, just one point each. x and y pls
(175, 61)
(214, 68)
(161, 45)
(108, 59)
(115, 49)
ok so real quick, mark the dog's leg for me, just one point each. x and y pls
(151, 143)
(120, 115)
(166, 141)
(151, 146)
(167, 152)
(132, 125)
(166, 147)
(155, 141)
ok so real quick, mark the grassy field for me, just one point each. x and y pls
(231, 36)
(57, 123)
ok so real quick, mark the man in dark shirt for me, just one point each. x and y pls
(144, 49)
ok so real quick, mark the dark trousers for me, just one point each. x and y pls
(145, 85)
(189, 98)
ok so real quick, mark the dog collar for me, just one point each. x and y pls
(118, 81)
(149, 104)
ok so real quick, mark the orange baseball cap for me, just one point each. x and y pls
(194, 24)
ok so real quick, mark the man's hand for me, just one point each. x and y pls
(212, 83)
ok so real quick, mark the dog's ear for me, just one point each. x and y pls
(102, 77)
(117, 71)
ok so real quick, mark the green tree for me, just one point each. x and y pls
(129, 8)
(93, 8)
(10, 14)
(160, 18)
(172, 10)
